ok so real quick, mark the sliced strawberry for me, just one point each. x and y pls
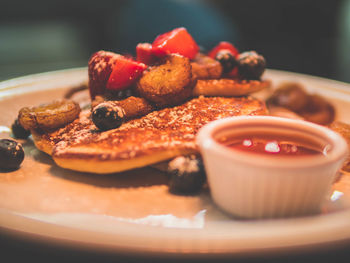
(223, 45)
(125, 73)
(234, 51)
(145, 54)
(100, 67)
(176, 41)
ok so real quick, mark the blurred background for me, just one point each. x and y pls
(305, 36)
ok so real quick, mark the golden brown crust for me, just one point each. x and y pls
(228, 87)
(43, 143)
(167, 84)
(204, 67)
(158, 136)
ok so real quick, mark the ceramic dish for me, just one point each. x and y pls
(256, 185)
(133, 211)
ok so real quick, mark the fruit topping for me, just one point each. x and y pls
(292, 96)
(167, 84)
(227, 60)
(18, 131)
(177, 41)
(134, 107)
(222, 52)
(107, 115)
(251, 65)
(228, 87)
(124, 74)
(318, 110)
(145, 54)
(187, 175)
(100, 67)
(49, 116)
(11, 154)
(289, 95)
(223, 45)
(204, 67)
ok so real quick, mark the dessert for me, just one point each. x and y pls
(156, 137)
(228, 87)
(148, 109)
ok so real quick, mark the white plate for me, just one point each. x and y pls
(133, 211)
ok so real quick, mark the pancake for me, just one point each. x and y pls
(156, 137)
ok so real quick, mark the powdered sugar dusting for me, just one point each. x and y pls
(167, 129)
(103, 59)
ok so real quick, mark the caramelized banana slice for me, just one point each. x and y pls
(167, 84)
(204, 67)
(134, 107)
(228, 87)
(49, 116)
(318, 110)
(290, 95)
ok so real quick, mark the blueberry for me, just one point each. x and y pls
(18, 131)
(226, 59)
(187, 175)
(11, 154)
(251, 65)
(107, 115)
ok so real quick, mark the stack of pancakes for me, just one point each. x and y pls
(158, 136)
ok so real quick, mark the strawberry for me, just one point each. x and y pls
(223, 45)
(233, 73)
(176, 41)
(144, 53)
(125, 73)
(227, 47)
(100, 67)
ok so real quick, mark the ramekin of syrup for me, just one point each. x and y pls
(264, 167)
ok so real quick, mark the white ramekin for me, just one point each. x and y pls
(260, 186)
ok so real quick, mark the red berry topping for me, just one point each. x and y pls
(125, 73)
(145, 54)
(100, 67)
(233, 73)
(223, 45)
(176, 41)
(226, 47)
